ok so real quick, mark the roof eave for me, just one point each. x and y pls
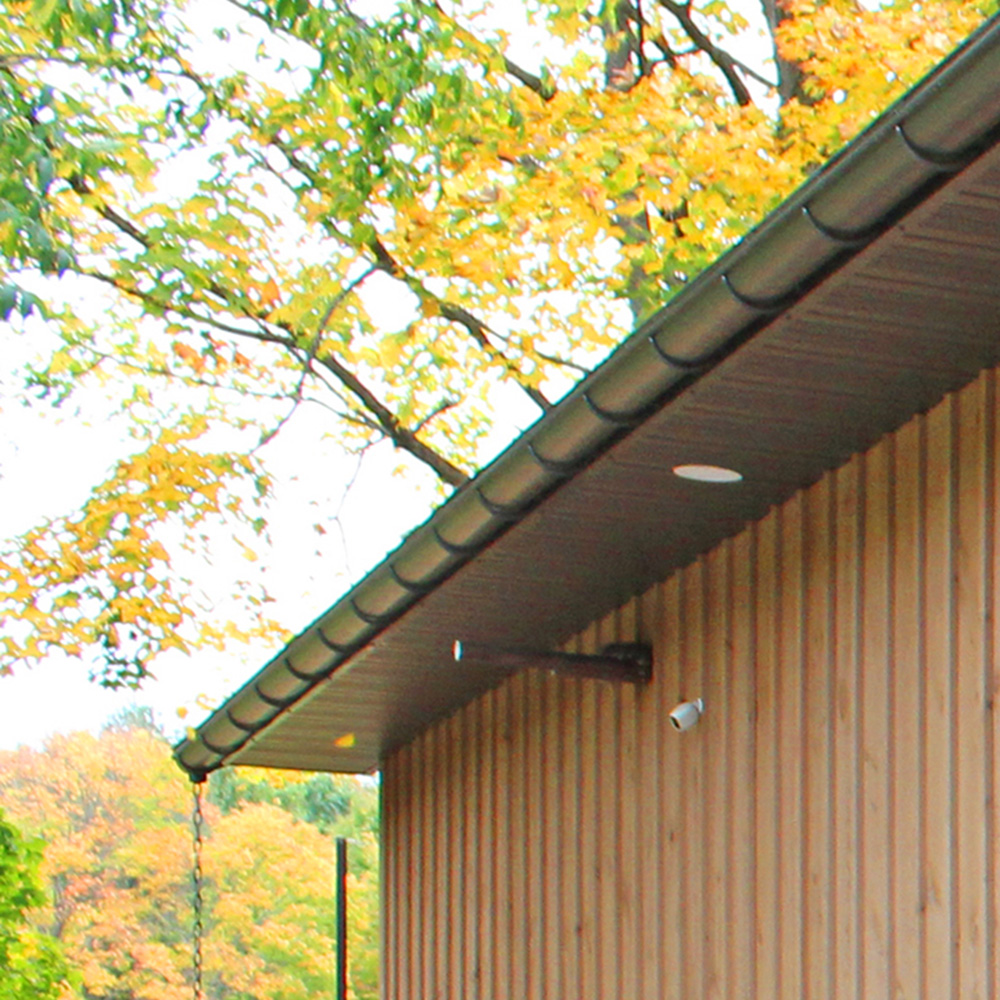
(940, 126)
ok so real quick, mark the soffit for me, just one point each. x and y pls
(912, 317)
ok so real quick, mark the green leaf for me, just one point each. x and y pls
(8, 300)
(46, 171)
(28, 304)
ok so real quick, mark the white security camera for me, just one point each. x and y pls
(687, 714)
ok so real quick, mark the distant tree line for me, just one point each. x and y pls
(112, 890)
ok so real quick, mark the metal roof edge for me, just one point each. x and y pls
(939, 126)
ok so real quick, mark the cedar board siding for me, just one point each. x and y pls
(827, 830)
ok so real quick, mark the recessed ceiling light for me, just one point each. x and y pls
(707, 473)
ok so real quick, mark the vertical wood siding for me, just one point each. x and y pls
(826, 832)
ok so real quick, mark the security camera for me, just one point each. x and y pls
(687, 714)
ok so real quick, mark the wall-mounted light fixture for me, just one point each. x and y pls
(707, 473)
(687, 714)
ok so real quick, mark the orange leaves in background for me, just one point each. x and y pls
(115, 811)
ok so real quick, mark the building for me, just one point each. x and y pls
(829, 828)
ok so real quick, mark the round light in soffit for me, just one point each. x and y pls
(708, 473)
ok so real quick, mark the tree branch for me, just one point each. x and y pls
(386, 263)
(79, 184)
(169, 374)
(385, 419)
(544, 88)
(265, 336)
(791, 78)
(476, 328)
(448, 404)
(641, 28)
(401, 436)
(725, 63)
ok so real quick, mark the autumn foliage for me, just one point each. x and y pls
(202, 205)
(32, 966)
(115, 812)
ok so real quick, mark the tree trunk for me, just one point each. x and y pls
(791, 78)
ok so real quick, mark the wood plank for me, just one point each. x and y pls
(608, 847)
(938, 858)
(766, 756)
(488, 916)
(992, 693)
(818, 736)
(692, 776)
(457, 795)
(504, 922)
(423, 875)
(570, 812)
(906, 712)
(715, 731)
(790, 749)
(390, 855)
(671, 785)
(534, 834)
(630, 764)
(875, 861)
(518, 911)
(846, 916)
(472, 885)
(590, 898)
(441, 793)
(406, 940)
(974, 510)
(650, 909)
(554, 835)
(742, 751)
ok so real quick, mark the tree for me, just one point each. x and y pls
(114, 809)
(201, 203)
(32, 964)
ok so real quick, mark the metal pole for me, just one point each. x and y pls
(341, 918)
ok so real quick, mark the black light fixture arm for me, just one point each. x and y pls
(623, 662)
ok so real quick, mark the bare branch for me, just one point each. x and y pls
(725, 63)
(385, 419)
(307, 363)
(341, 295)
(79, 184)
(336, 518)
(554, 359)
(545, 89)
(401, 436)
(754, 75)
(270, 435)
(448, 404)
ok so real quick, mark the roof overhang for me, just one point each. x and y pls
(861, 301)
